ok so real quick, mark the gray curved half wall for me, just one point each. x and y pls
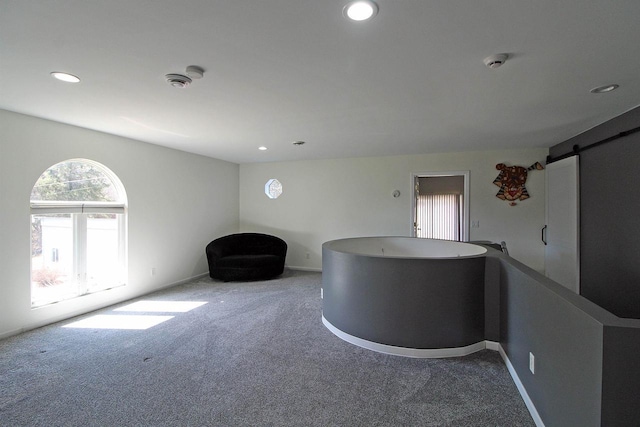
(404, 296)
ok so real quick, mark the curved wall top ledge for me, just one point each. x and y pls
(405, 247)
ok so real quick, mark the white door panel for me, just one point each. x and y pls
(562, 253)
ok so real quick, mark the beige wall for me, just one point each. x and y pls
(330, 199)
(178, 202)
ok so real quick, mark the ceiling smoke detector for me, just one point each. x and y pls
(178, 80)
(605, 88)
(195, 72)
(495, 61)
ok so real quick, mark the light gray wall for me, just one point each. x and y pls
(609, 206)
(325, 200)
(178, 202)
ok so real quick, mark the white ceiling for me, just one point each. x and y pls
(410, 81)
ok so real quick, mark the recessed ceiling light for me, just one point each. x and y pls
(262, 148)
(65, 77)
(605, 88)
(298, 143)
(360, 10)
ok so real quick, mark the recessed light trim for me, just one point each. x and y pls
(605, 88)
(298, 143)
(360, 10)
(65, 77)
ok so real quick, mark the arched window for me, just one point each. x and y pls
(78, 231)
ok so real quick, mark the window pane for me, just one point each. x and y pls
(74, 181)
(103, 252)
(52, 258)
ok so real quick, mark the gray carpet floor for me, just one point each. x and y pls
(257, 354)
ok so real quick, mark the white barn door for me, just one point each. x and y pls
(562, 232)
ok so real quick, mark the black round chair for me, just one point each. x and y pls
(246, 256)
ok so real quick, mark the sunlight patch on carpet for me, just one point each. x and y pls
(162, 306)
(120, 321)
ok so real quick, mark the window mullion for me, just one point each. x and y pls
(122, 247)
(80, 251)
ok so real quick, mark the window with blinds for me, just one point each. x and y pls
(439, 216)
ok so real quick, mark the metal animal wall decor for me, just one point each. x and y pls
(511, 181)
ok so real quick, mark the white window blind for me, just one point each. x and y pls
(439, 216)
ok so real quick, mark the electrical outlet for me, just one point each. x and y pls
(153, 271)
(532, 363)
(308, 255)
(475, 224)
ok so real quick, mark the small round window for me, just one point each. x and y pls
(273, 188)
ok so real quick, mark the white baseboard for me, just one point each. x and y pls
(179, 282)
(492, 345)
(12, 333)
(313, 269)
(420, 353)
(523, 392)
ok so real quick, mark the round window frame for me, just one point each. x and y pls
(273, 188)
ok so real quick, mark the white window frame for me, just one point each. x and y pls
(465, 208)
(79, 211)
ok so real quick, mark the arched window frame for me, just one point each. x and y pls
(79, 212)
